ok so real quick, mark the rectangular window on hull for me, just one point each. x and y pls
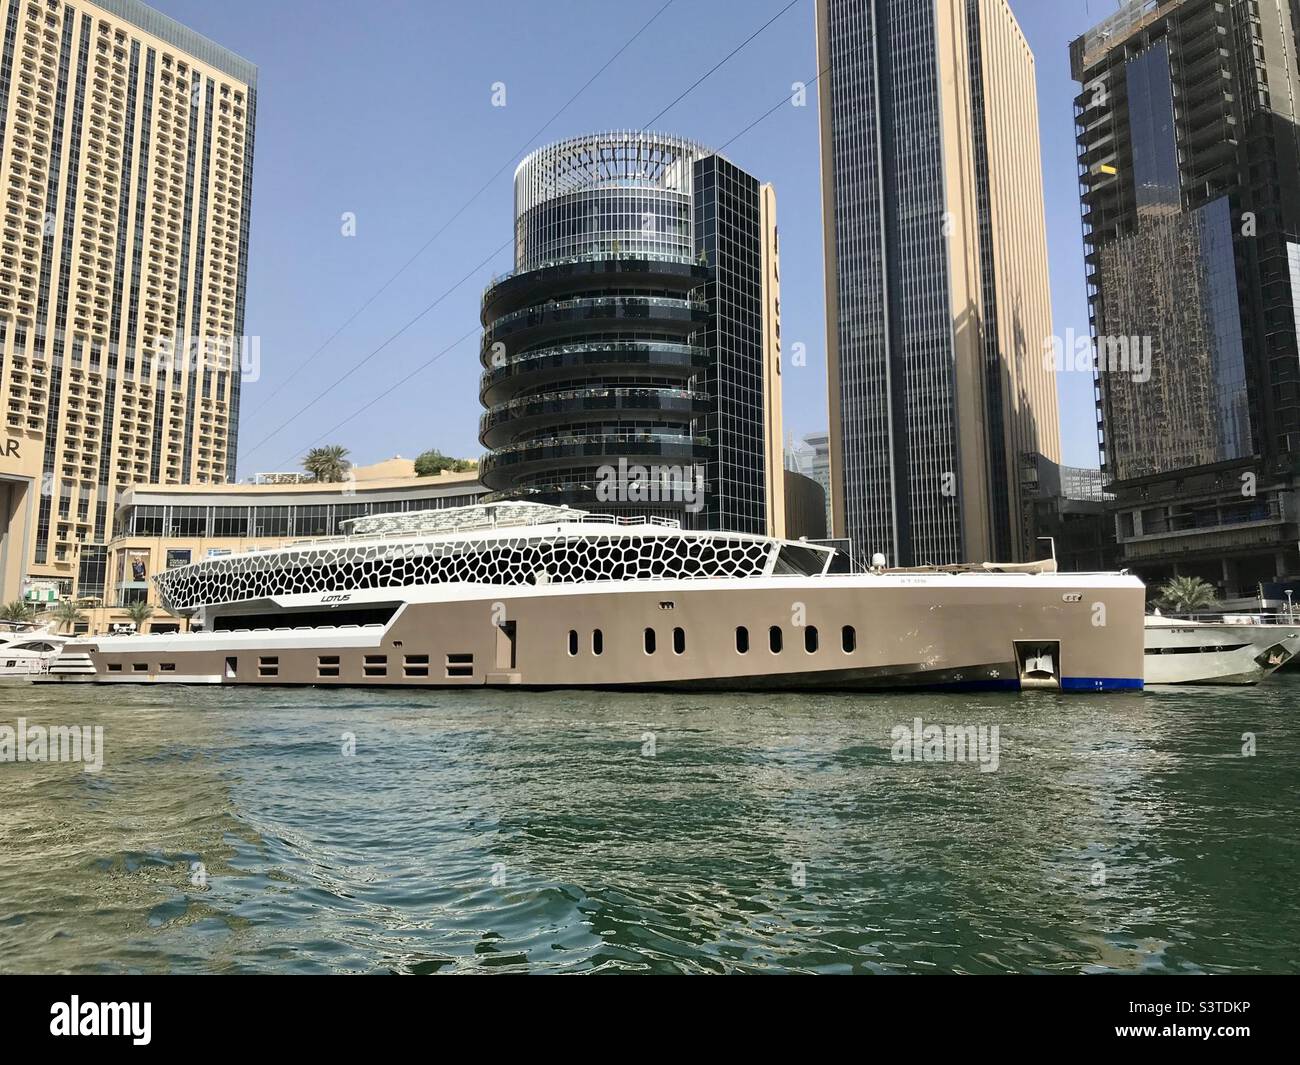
(327, 666)
(314, 619)
(375, 666)
(415, 666)
(460, 665)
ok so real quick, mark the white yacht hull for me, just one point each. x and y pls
(1190, 652)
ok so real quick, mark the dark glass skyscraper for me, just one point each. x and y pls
(1189, 165)
(936, 275)
(631, 358)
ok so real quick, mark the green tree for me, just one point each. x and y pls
(1188, 595)
(67, 614)
(327, 463)
(139, 612)
(18, 610)
(432, 462)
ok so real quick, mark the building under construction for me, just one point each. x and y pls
(1189, 166)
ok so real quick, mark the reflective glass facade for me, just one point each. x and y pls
(936, 276)
(628, 344)
(1169, 337)
(1188, 123)
(1155, 150)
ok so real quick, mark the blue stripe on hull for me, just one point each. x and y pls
(1068, 684)
(1101, 684)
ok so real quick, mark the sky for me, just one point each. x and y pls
(382, 187)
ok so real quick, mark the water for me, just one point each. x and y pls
(228, 832)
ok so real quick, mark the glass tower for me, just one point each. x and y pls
(1189, 170)
(936, 274)
(630, 358)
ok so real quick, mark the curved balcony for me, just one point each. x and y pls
(569, 318)
(506, 422)
(562, 277)
(500, 468)
(534, 369)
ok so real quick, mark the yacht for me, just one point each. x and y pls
(526, 594)
(1231, 650)
(28, 652)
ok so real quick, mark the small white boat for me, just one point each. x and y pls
(1232, 651)
(28, 654)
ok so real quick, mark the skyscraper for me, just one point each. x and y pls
(127, 145)
(1189, 169)
(812, 458)
(938, 303)
(632, 358)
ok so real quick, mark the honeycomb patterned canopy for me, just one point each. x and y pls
(534, 557)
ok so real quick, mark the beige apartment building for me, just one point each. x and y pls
(126, 153)
(158, 526)
(938, 302)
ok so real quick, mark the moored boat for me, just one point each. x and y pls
(28, 653)
(1227, 651)
(522, 594)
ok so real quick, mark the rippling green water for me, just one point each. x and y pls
(528, 832)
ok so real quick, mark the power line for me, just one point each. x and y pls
(718, 65)
(285, 424)
(461, 210)
(784, 101)
(428, 307)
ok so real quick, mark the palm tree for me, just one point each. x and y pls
(327, 463)
(67, 614)
(139, 612)
(1188, 595)
(18, 610)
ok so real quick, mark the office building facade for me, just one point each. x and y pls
(126, 152)
(811, 457)
(938, 303)
(1188, 123)
(632, 358)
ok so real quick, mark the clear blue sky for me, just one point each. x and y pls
(384, 109)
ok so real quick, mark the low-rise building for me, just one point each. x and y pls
(159, 526)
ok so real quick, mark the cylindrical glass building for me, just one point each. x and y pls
(592, 344)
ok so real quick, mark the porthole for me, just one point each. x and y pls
(774, 639)
(742, 640)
